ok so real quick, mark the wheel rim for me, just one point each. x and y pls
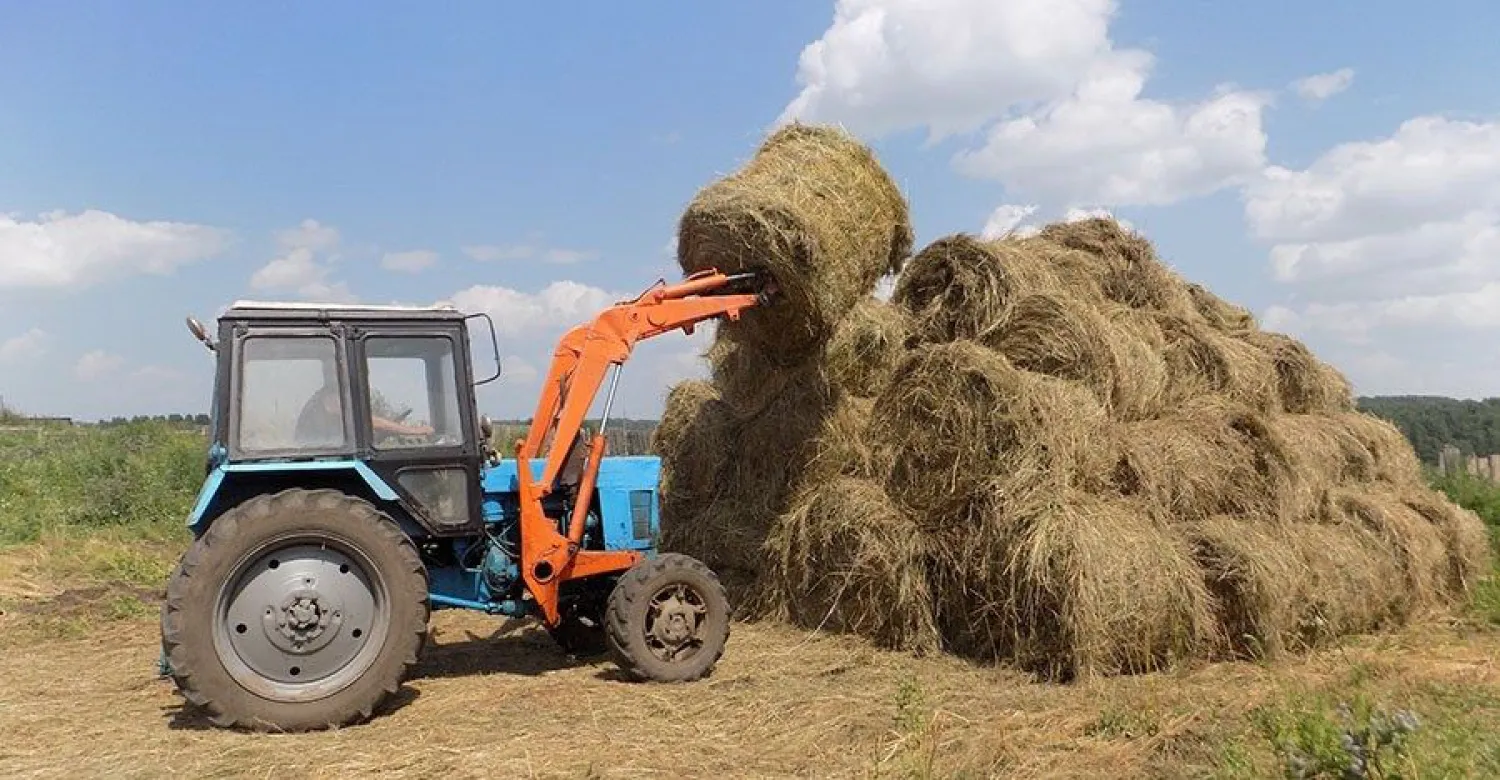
(675, 619)
(300, 618)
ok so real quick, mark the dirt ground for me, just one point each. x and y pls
(493, 699)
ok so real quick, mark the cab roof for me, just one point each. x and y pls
(303, 310)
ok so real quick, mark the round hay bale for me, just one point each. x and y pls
(959, 287)
(1304, 384)
(1201, 361)
(1219, 313)
(1067, 338)
(813, 207)
(842, 448)
(1209, 458)
(1395, 459)
(1131, 273)
(846, 560)
(1416, 544)
(1072, 586)
(747, 382)
(1465, 539)
(957, 413)
(865, 347)
(1354, 581)
(1255, 578)
(1322, 453)
(692, 440)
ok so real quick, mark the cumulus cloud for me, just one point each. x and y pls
(61, 250)
(412, 262)
(1105, 143)
(558, 306)
(1065, 117)
(304, 265)
(1322, 86)
(27, 346)
(1393, 241)
(97, 365)
(1005, 220)
(947, 65)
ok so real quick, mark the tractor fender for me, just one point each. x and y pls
(229, 484)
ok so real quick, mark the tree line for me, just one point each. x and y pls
(1430, 422)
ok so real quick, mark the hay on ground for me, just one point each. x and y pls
(1305, 384)
(865, 347)
(846, 560)
(814, 208)
(1071, 586)
(956, 414)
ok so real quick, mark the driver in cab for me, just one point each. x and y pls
(322, 419)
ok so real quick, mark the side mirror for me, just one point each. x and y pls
(200, 333)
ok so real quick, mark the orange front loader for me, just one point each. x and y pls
(583, 357)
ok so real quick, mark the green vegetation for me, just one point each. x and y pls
(1431, 422)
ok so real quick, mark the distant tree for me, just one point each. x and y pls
(1432, 422)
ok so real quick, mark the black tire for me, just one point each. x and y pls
(630, 621)
(385, 566)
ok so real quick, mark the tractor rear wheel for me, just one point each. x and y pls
(668, 619)
(295, 611)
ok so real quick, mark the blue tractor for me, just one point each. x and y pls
(352, 489)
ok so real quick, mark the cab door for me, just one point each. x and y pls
(415, 412)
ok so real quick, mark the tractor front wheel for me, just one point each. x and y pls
(668, 619)
(295, 611)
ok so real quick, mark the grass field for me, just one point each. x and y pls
(91, 523)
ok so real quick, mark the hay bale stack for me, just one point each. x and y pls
(1051, 451)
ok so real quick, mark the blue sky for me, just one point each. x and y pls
(1334, 166)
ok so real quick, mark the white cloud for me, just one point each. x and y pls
(1005, 219)
(1394, 241)
(304, 265)
(489, 253)
(947, 65)
(518, 369)
(1322, 86)
(1064, 113)
(558, 306)
(61, 250)
(1107, 144)
(412, 262)
(28, 346)
(98, 365)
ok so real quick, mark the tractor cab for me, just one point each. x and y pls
(380, 398)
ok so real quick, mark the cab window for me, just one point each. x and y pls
(290, 397)
(413, 383)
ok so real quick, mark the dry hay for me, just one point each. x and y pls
(845, 559)
(692, 440)
(1321, 452)
(1219, 313)
(1305, 384)
(1204, 362)
(842, 449)
(864, 348)
(1129, 270)
(1354, 581)
(1395, 459)
(814, 208)
(1209, 458)
(1071, 585)
(960, 287)
(957, 413)
(1068, 338)
(1416, 544)
(1465, 539)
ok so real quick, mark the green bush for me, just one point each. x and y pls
(1471, 492)
(137, 475)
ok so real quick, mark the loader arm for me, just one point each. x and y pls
(583, 357)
